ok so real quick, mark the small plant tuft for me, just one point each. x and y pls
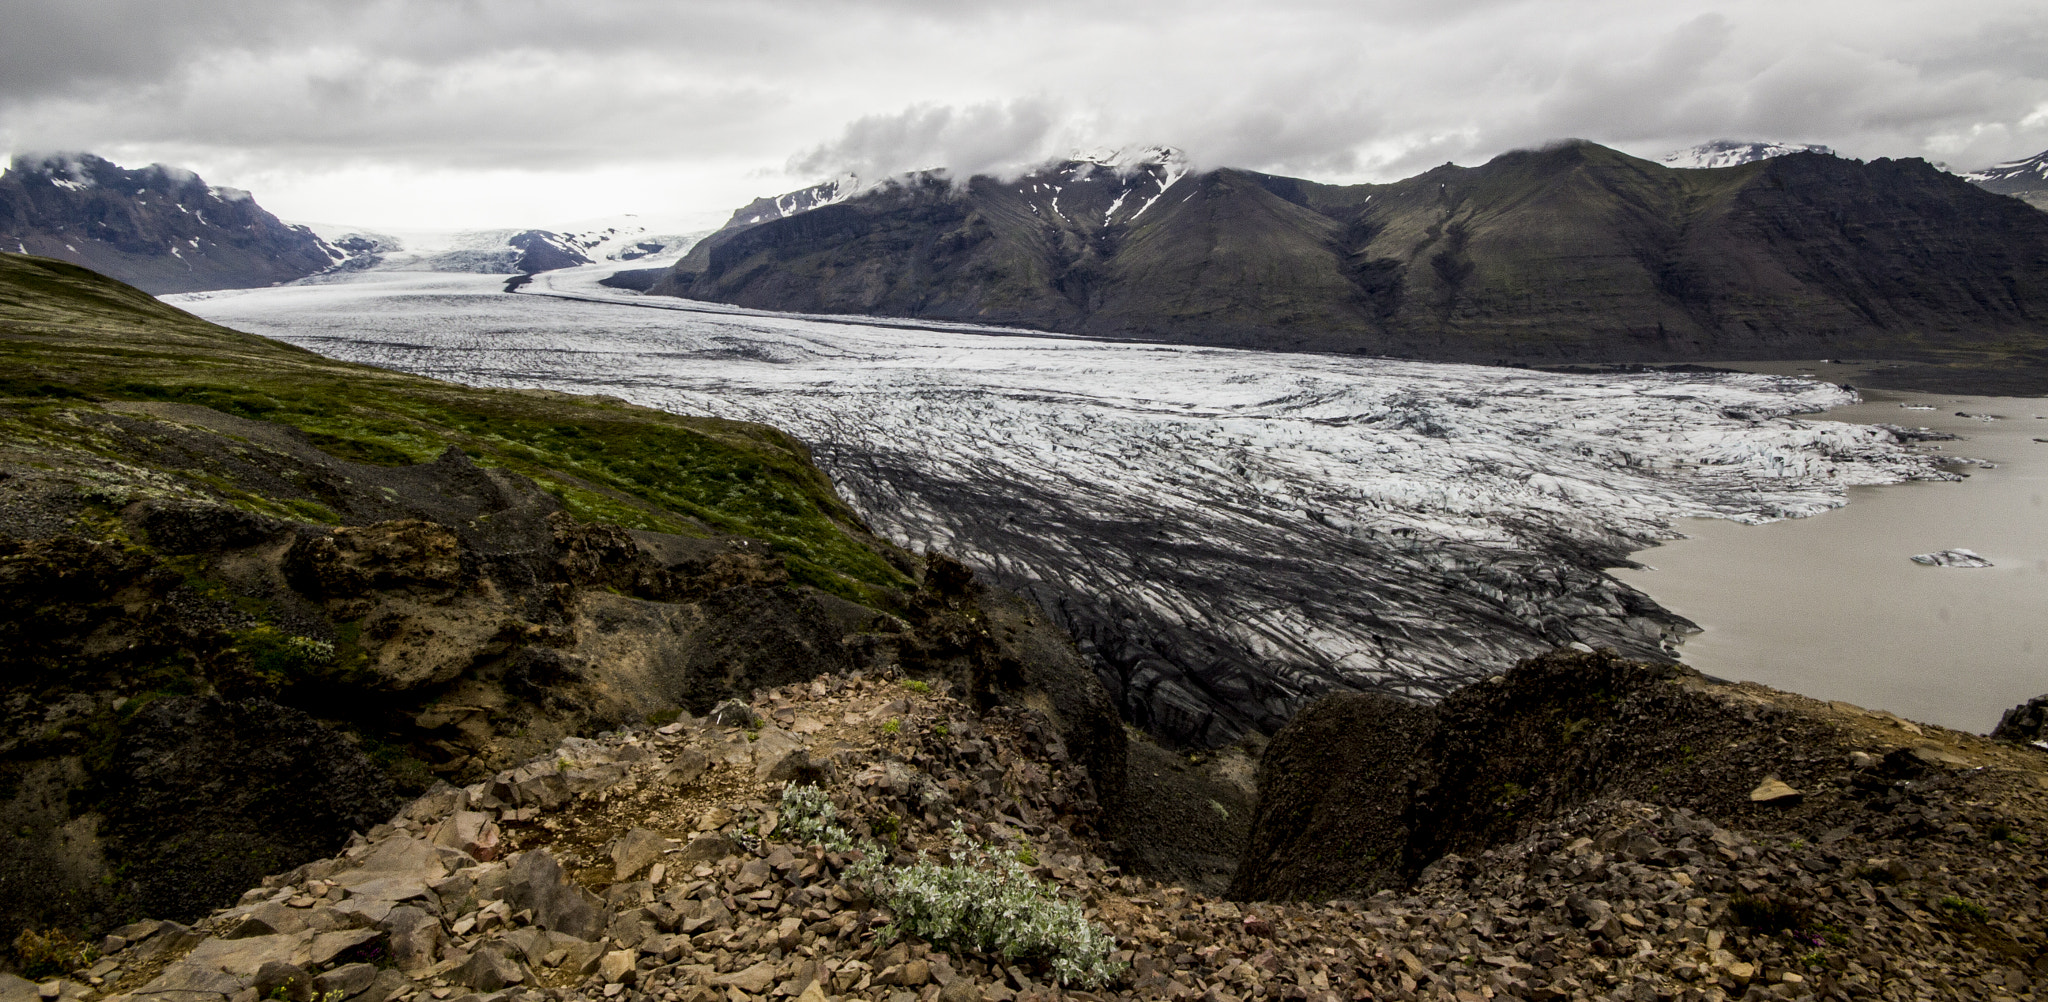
(917, 686)
(1767, 914)
(50, 954)
(1966, 907)
(809, 815)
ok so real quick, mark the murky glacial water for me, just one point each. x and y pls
(1832, 606)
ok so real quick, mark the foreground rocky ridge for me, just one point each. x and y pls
(654, 863)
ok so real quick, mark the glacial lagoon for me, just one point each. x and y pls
(1833, 606)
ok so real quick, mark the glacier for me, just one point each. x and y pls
(1226, 533)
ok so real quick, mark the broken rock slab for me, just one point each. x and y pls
(187, 982)
(472, 832)
(1774, 791)
(244, 957)
(14, 988)
(636, 851)
(533, 880)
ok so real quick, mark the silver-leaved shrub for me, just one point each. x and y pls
(977, 899)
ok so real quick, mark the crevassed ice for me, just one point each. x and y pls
(1226, 532)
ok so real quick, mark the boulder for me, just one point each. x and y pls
(617, 968)
(472, 832)
(636, 851)
(282, 982)
(245, 957)
(347, 980)
(2026, 723)
(187, 982)
(397, 857)
(415, 937)
(329, 945)
(1774, 791)
(708, 848)
(266, 919)
(490, 968)
(533, 880)
(753, 980)
(15, 988)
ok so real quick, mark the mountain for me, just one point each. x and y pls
(1734, 153)
(503, 251)
(1571, 253)
(159, 228)
(816, 196)
(2026, 179)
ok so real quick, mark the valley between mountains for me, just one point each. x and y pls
(1226, 533)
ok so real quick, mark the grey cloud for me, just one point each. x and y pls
(987, 138)
(1335, 89)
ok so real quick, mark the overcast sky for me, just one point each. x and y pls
(447, 113)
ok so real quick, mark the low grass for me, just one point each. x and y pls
(71, 339)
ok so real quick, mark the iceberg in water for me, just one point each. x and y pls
(1951, 558)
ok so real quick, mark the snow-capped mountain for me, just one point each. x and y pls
(1148, 167)
(2032, 172)
(1136, 245)
(619, 239)
(159, 228)
(2023, 179)
(1732, 153)
(1139, 176)
(762, 210)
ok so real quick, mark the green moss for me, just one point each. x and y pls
(78, 338)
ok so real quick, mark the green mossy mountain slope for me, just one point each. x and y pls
(74, 340)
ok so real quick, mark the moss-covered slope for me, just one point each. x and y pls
(249, 596)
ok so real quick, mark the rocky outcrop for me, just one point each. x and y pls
(655, 864)
(2027, 722)
(159, 228)
(1362, 793)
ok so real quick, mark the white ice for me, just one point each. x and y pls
(1417, 508)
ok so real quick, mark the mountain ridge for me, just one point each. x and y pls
(1574, 252)
(2025, 179)
(150, 226)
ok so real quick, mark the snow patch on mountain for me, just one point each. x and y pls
(615, 240)
(1732, 153)
(2032, 170)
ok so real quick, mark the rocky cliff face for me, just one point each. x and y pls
(1570, 253)
(158, 228)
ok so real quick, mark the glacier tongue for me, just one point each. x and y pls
(1225, 532)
